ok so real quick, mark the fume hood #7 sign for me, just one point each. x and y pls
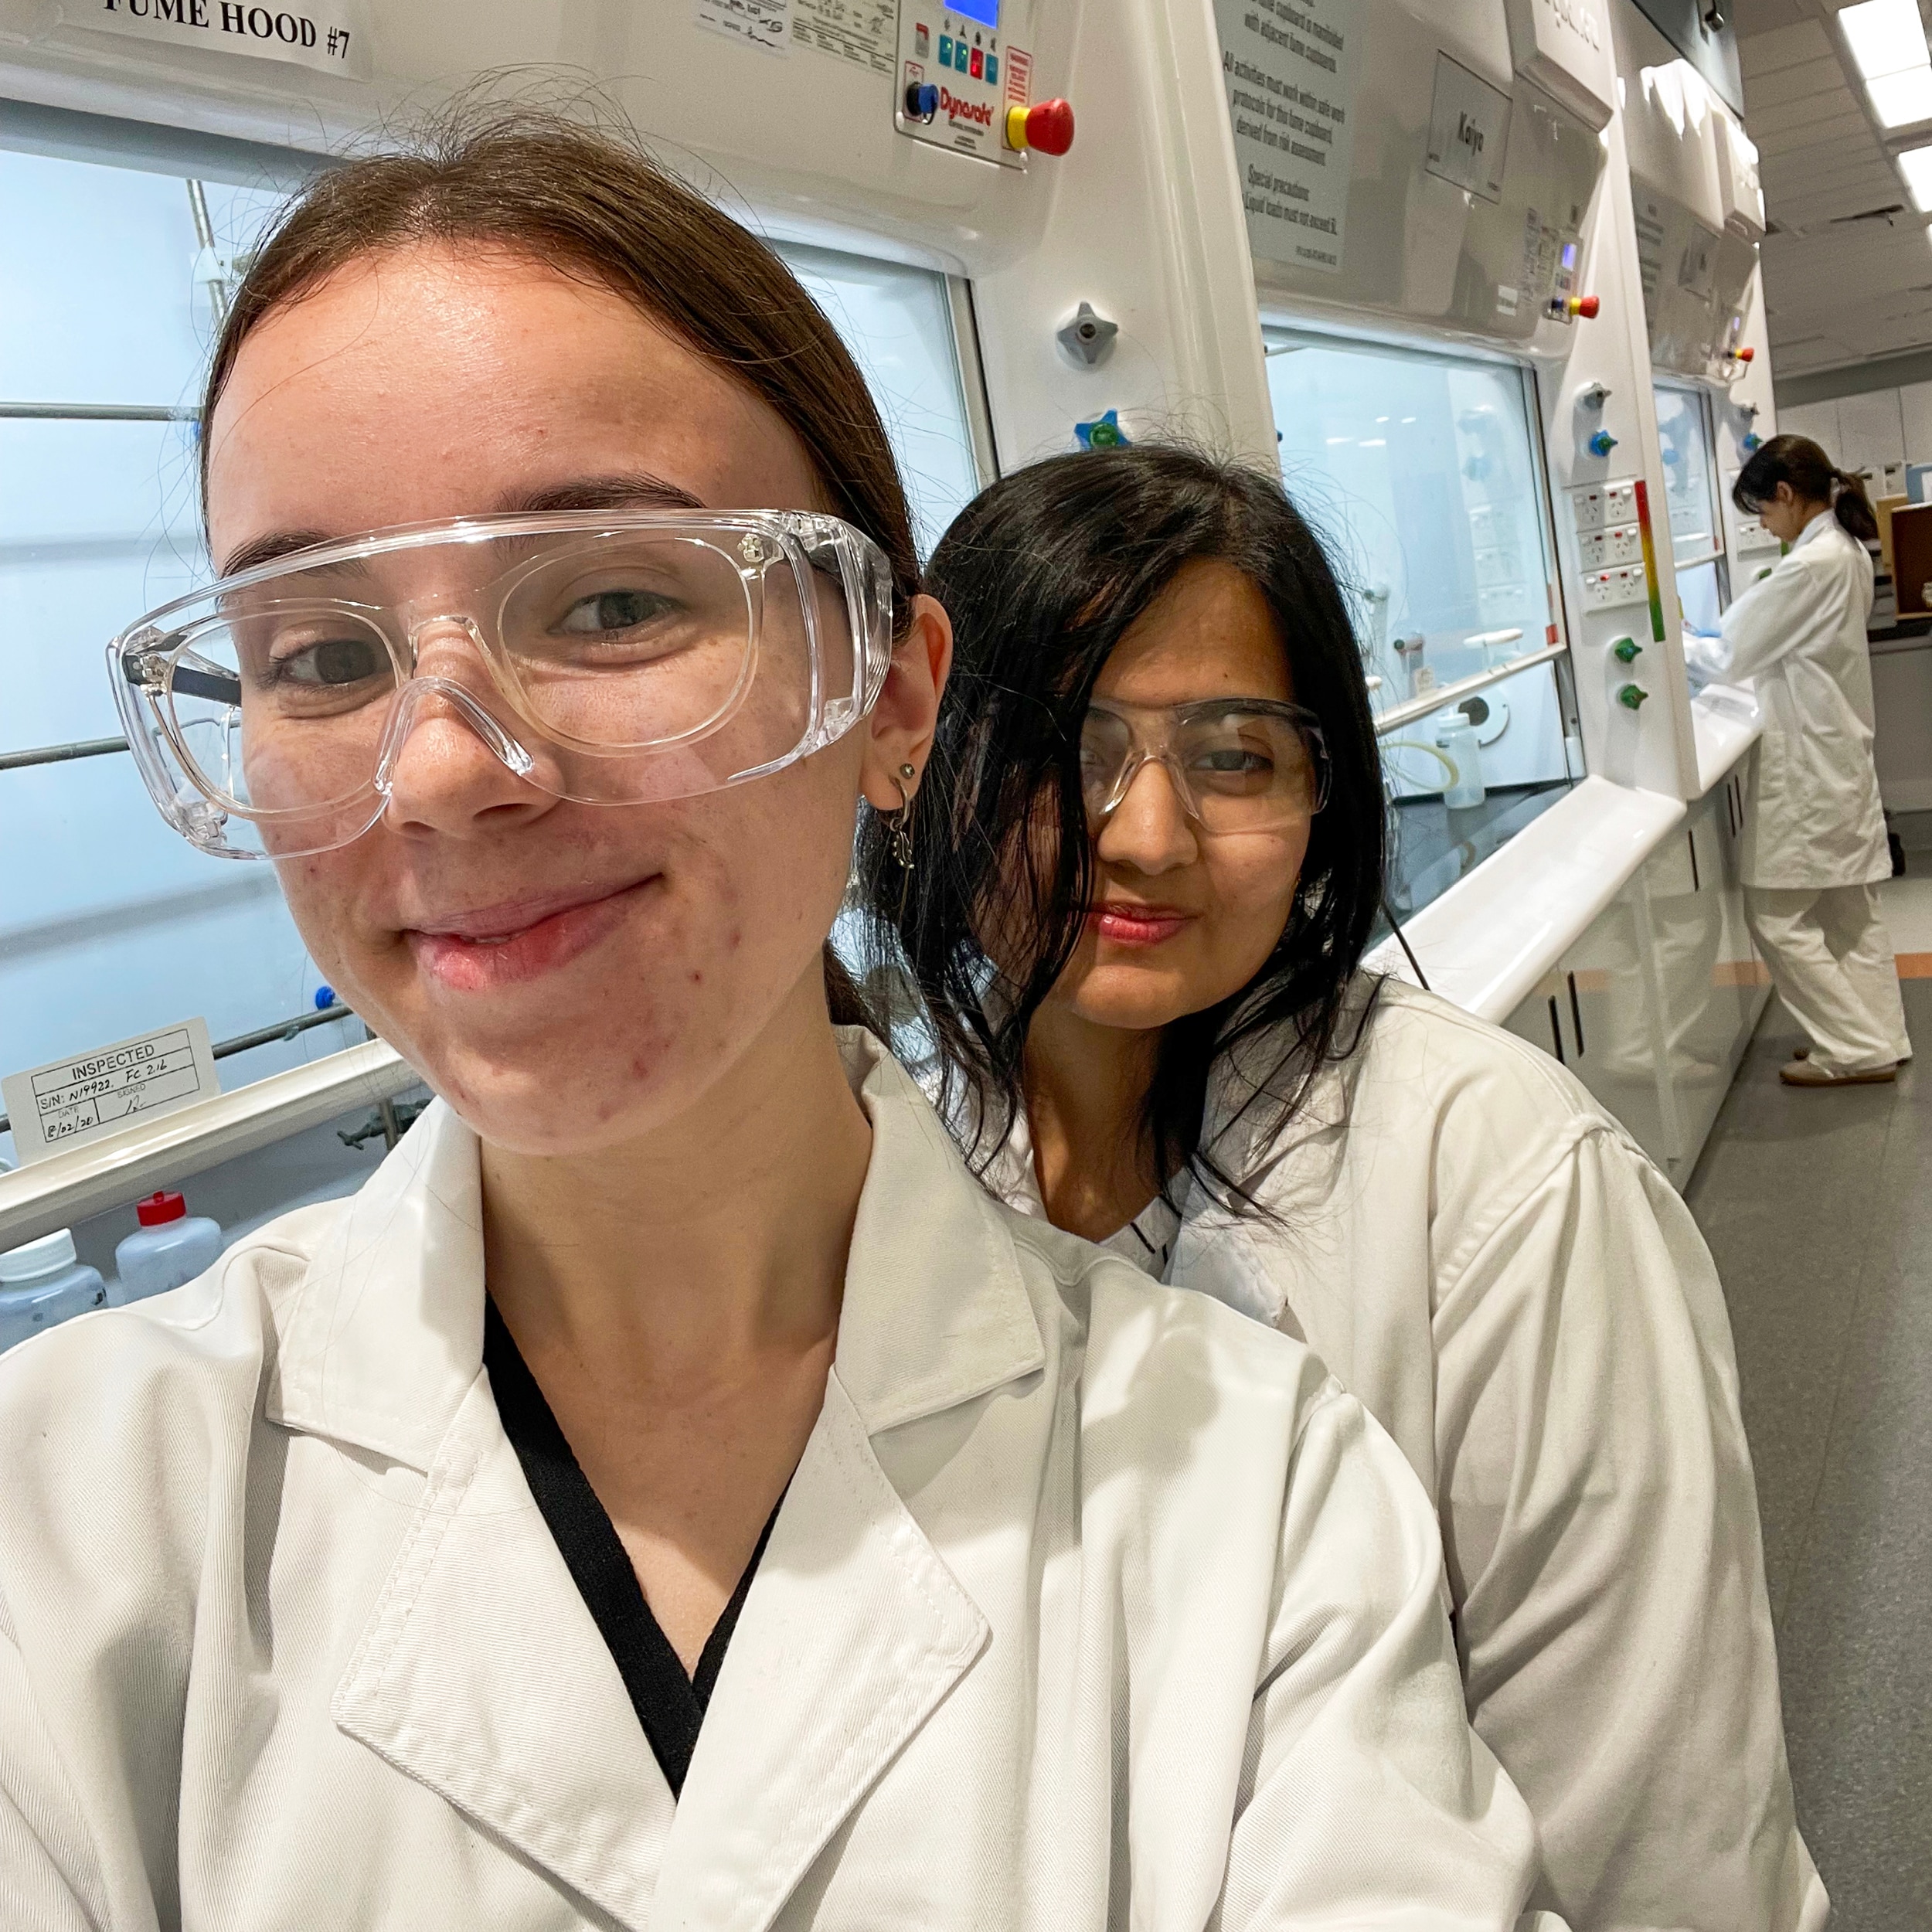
(329, 36)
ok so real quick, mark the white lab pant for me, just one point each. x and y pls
(1830, 960)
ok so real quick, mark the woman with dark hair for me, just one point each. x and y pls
(1144, 865)
(1815, 845)
(671, 1493)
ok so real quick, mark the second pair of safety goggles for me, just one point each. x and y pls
(1237, 764)
(620, 657)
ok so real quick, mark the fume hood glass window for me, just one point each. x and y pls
(1420, 472)
(1690, 484)
(110, 925)
(898, 324)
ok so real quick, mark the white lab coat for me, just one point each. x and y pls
(1090, 1605)
(1799, 635)
(1483, 1255)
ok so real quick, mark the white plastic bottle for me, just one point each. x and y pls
(42, 1284)
(170, 1247)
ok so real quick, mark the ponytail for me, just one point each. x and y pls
(1853, 507)
(1797, 460)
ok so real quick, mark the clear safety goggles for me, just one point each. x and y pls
(615, 658)
(1237, 764)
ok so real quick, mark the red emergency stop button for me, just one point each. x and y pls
(1586, 306)
(1047, 126)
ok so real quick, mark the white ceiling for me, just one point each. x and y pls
(1842, 281)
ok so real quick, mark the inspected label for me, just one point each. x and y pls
(68, 1103)
(860, 31)
(1289, 69)
(758, 23)
(328, 35)
(1468, 130)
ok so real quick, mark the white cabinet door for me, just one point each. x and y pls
(1915, 412)
(1819, 421)
(1871, 435)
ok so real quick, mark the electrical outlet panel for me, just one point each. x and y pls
(1611, 589)
(1601, 549)
(1586, 507)
(1620, 502)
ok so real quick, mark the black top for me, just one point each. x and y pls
(670, 1706)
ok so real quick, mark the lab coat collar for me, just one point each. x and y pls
(1818, 524)
(480, 1673)
(385, 1336)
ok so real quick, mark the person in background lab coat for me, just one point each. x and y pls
(672, 1493)
(1814, 847)
(1148, 858)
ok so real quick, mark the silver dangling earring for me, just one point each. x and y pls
(902, 833)
(902, 837)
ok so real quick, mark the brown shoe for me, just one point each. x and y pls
(1801, 1073)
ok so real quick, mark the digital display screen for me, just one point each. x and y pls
(985, 11)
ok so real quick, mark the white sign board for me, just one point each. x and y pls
(327, 34)
(1563, 45)
(759, 23)
(1468, 130)
(1289, 67)
(68, 1103)
(860, 31)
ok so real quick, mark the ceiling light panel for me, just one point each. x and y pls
(1916, 165)
(1902, 100)
(1885, 36)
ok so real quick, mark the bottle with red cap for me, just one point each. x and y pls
(170, 1248)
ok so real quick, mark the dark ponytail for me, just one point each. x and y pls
(1797, 460)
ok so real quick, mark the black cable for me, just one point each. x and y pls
(1402, 939)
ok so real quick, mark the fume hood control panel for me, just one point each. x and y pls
(961, 77)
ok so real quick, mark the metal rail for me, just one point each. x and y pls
(147, 1154)
(100, 412)
(1398, 715)
(60, 755)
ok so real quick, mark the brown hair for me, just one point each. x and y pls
(1797, 460)
(590, 204)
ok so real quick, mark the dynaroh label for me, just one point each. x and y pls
(327, 34)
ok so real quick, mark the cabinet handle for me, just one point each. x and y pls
(1577, 1016)
(1690, 839)
(1556, 1032)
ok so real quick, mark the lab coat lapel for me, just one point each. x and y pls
(852, 1633)
(854, 1630)
(481, 1675)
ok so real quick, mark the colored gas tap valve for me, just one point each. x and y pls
(1744, 354)
(1587, 308)
(922, 101)
(1047, 125)
(1632, 696)
(1601, 443)
(1752, 443)
(1104, 432)
(324, 999)
(1625, 651)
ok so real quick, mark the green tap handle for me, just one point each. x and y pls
(1632, 695)
(1625, 650)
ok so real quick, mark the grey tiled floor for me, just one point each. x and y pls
(1818, 1209)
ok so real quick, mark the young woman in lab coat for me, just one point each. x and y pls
(1146, 859)
(671, 1493)
(1815, 845)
